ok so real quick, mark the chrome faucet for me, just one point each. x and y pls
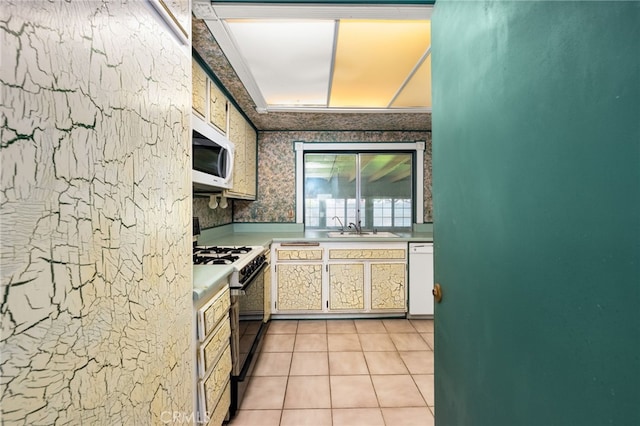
(340, 222)
(357, 227)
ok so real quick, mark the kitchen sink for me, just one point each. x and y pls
(364, 234)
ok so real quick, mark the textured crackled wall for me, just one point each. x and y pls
(95, 213)
(277, 172)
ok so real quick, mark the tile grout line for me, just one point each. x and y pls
(328, 351)
(329, 379)
(286, 386)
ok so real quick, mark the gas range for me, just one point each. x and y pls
(246, 260)
(246, 313)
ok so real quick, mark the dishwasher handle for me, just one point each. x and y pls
(421, 248)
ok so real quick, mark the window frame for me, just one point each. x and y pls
(417, 147)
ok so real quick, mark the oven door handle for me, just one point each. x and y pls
(243, 290)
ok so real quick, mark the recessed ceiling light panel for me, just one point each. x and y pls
(373, 60)
(328, 58)
(290, 60)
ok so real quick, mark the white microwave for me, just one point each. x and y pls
(212, 157)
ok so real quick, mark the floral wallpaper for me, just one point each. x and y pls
(276, 196)
(95, 208)
(210, 218)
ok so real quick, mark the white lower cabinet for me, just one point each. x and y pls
(339, 278)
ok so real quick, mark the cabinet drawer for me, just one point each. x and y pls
(211, 313)
(298, 254)
(367, 254)
(210, 351)
(212, 388)
(217, 417)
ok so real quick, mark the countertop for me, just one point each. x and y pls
(266, 238)
(209, 279)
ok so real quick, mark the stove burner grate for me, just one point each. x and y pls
(213, 260)
(221, 250)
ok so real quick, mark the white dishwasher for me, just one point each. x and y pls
(420, 279)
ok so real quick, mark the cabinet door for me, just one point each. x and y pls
(199, 89)
(243, 136)
(299, 287)
(267, 289)
(217, 108)
(251, 161)
(388, 288)
(346, 286)
(237, 136)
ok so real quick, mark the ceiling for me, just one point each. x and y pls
(335, 67)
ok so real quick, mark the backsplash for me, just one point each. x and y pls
(210, 218)
(95, 207)
(276, 198)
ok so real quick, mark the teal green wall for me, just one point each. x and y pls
(536, 182)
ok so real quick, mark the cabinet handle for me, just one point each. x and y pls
(301, 244)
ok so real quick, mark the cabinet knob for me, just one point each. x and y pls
(437, 292)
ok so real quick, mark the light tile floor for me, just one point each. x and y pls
(343, 373)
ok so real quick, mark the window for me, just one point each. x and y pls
(382, 212)
(335, 208)
(330, 177)
(312, 212)
(402, 212)
(382, 181)
(389, 212)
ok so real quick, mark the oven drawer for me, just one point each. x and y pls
(210, 351)
(211, 313)
(214, 386)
